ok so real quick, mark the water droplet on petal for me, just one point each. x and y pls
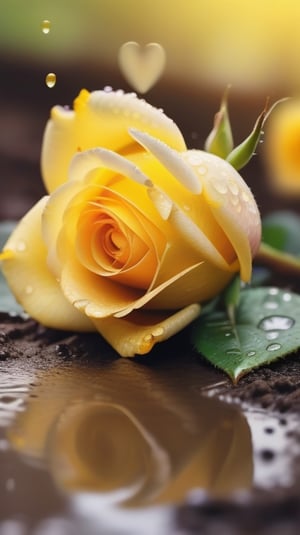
(50, 79)
(273, 347)
(157, 331)
(28, 289)
(233, 187)
(202, 170)
(108, 89)
(46, 26)
(21, 246)
(219, 186)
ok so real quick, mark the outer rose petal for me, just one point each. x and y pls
(100, 119)
(232, 205)
(27, 274)
(140, 330)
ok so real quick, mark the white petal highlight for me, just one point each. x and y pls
(170, 159)
(89, 160)
(140, 331)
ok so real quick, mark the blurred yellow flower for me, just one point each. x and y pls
(282, 147)
(136, 230)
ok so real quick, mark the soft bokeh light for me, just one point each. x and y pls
(251, 44)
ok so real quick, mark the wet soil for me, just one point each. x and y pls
(272, 388)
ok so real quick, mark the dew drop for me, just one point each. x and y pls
(158, 331)
(233, 352)
(233, 187)
(272, 335)
(273, 347)
(273, 291)
(272, 305)
(251, 353)
(21, 246)
(219, 186)
(46, 26)
(108, 89)
(286, 297)
(228, 334)
(202, 170)
(28, 289)
(50, 79)
(276, 323)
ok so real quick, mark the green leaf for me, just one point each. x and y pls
(281, 230)
(267, 327)
(220, 141)
(7, 300)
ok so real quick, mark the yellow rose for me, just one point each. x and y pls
(136, 230)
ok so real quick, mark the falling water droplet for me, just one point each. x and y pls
(46, 26)
(50, 79)
(273, 347)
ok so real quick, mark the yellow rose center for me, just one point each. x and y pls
(114, 239)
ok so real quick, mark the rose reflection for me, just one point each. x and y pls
(133, 435)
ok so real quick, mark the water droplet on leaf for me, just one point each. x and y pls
(251, 353)
(272, 335)
(276, 323)
(273, 347)
(50, 79)
(233, 352)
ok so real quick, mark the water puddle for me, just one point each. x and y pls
(107, 445)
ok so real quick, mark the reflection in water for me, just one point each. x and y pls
(132, 435)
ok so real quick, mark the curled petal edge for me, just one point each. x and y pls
(137, 333)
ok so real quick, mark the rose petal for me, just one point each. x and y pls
(28, 276)
(170, 159)
(100, 119)
(89, 160)
(138, 332)
(232, 205)
(187, 230)
(94, 295)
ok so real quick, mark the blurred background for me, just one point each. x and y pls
(252, 45)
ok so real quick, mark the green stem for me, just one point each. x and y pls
(281, 262)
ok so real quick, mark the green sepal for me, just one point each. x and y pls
(220, 140)
(241, 154)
